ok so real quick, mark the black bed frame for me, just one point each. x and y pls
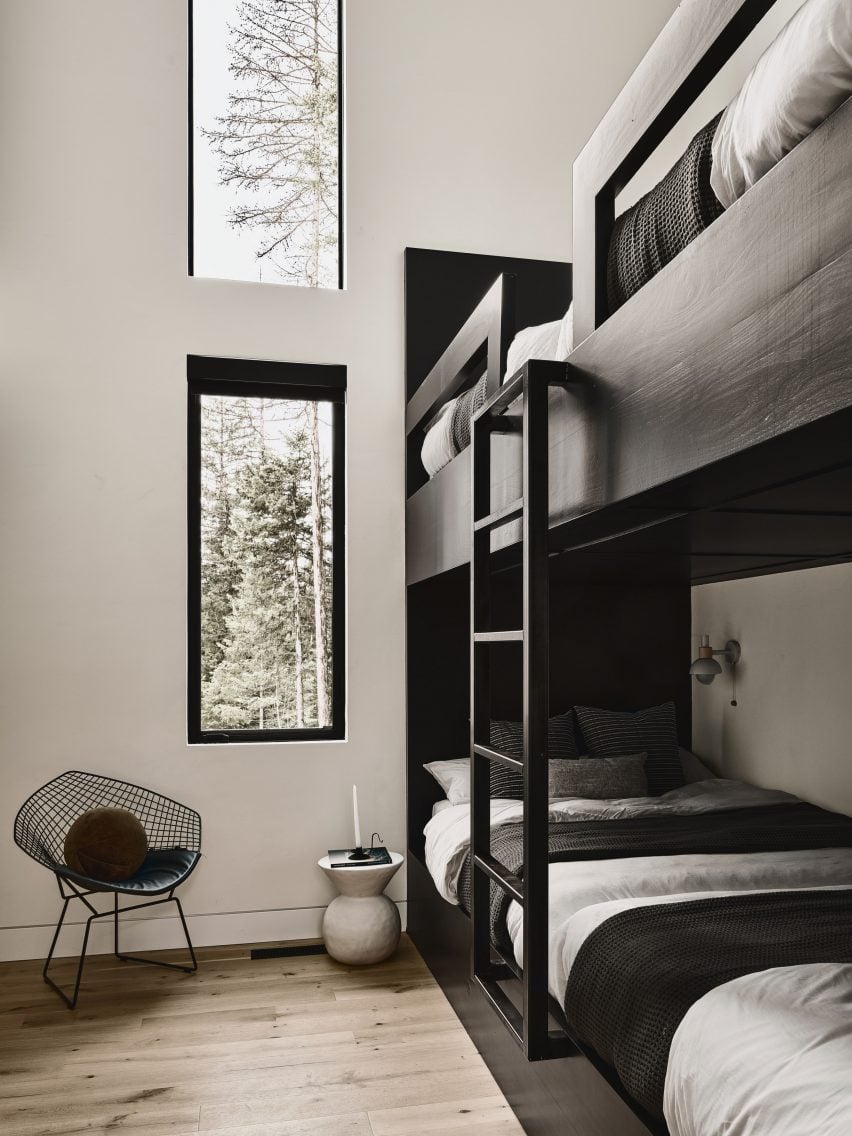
(700, 433)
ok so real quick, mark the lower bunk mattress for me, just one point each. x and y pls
(671, 918)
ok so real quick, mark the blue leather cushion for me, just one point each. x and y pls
(160, 871)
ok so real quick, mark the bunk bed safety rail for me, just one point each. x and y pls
(691, 49)
(529, 1026)
(480, 346)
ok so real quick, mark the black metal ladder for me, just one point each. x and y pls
(529, 1027)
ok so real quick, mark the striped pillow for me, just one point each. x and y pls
(608, 733)
(508, 738)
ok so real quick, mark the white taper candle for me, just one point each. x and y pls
(357, 821)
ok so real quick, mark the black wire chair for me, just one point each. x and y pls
(174, 849)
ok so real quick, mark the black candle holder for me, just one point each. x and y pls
(359, 854)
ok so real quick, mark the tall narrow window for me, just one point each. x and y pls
(266, 141)
(266, 557)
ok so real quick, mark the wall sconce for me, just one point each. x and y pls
(705, 668)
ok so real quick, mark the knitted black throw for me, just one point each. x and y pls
(637, 974)
(662, 223)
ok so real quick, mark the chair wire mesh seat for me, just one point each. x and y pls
(174, 849)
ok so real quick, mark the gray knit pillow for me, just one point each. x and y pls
(599, 778)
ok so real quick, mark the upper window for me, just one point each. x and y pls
(266, 584)
(266, 141)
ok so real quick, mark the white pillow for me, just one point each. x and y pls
(440, 805)
(565, 344)
(439, 447)
(804, 75)
(539, 342)
(454, 778)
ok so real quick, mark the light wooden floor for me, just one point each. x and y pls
(279, 1047)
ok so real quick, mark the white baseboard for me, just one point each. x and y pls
(162, 932)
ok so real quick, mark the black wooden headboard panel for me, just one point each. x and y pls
(442, 289)
(622, 645)
(438, 681)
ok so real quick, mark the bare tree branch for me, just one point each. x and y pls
(278, 140)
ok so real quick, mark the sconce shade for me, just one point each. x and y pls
(705, 668)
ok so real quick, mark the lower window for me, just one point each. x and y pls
(266, 551)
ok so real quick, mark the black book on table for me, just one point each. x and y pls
(341, 858)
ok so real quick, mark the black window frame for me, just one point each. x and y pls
(341, 152)
(247, 378)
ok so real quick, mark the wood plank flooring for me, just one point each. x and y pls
(297, 1046)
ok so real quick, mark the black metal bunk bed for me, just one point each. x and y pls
(701, 432)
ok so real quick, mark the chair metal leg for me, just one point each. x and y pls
(157, 962)
(186, 935)
(49, 958)
(71, 1001)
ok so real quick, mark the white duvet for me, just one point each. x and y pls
(781, 1076)
(768, 1054)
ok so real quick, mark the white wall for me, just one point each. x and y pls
(463, 121)
(792, 726)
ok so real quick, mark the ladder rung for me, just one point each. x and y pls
(503, 516)
(506, 424)
(500, 972)
(559, 1044)
(498, 636)
(502, 397)
(496, 755)
(509, 963)
(501, 876)
(506, 1010)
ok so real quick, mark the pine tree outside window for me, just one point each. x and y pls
(266, 141)
(266, 557)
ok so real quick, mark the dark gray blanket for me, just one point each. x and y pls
(466, 406)
(766, 828)
(662, 223)
(637, 974)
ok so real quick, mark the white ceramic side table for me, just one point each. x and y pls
(361, 925)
